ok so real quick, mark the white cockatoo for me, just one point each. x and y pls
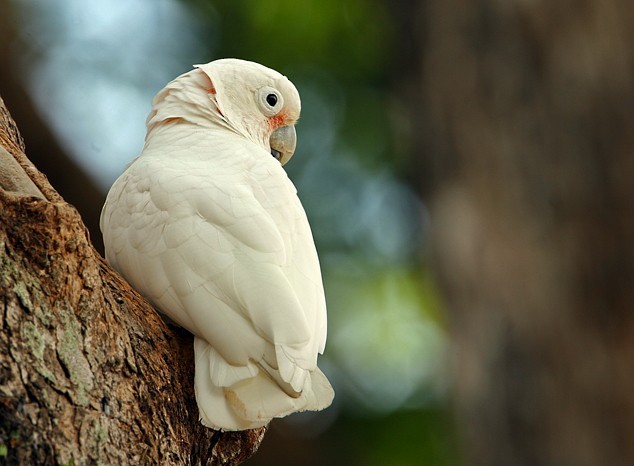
(206, 224)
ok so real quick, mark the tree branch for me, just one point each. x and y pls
(89, 372)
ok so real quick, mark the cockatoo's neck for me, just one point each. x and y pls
(191, 100)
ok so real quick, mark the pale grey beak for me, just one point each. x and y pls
(283, 142)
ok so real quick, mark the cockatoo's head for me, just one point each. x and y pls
(250, 99)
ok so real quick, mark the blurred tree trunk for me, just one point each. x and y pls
(526, 130)
(89, 373)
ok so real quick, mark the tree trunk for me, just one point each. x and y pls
(89, 373)
(526, 124)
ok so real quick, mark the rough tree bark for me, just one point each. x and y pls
(527, 119)
(89, 373)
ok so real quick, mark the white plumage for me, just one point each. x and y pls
(206, 224)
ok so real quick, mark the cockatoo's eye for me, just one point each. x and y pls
(269, 100)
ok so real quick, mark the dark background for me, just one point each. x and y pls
(467, 167)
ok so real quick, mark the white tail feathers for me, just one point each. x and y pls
(250, 397)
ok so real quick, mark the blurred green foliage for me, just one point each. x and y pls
(351, 39)
(405, 437)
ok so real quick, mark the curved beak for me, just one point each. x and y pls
(283, 141)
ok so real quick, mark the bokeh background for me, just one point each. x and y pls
(489, 141)
(90, 70)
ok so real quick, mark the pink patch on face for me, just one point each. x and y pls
(277, 120)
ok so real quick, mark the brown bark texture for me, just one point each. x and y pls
(526, 121)
(89, 372)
